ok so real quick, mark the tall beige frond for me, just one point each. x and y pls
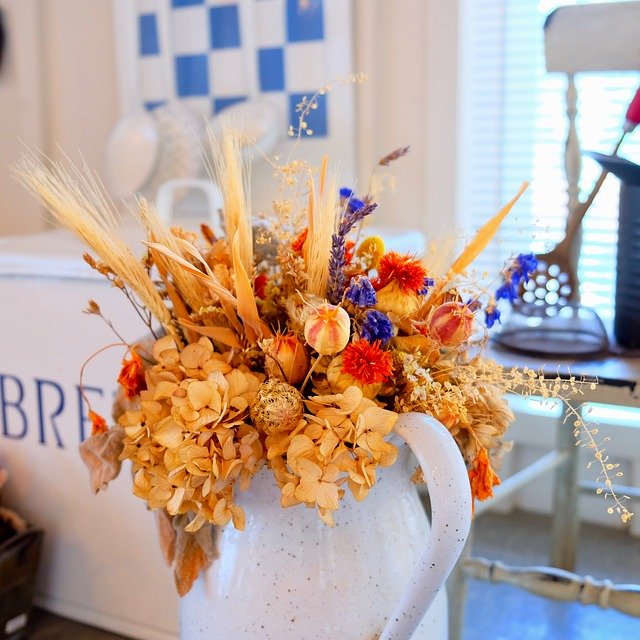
(321, 220)
(232, 176)
(189, 288)
(78, 202)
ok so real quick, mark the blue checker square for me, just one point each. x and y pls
(224, 23)
(304, 22)
(148, 32)
(220, 104)
(185, 3)
(316, 119)
(271, 69)
(192, 75)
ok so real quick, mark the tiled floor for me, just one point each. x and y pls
(500, 612)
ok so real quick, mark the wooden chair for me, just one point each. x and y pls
(578, 39)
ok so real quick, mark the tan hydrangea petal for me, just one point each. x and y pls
(200, 394)
(308, 470)
(379, 420)
(327, 496)
(195, 355)
(169, 433)
(164, 351)
(300, 447)
(164, 389)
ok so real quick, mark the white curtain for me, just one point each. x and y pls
(513, 127)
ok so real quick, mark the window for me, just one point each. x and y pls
(514, 128)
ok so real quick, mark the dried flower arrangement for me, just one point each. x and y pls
(294, 345)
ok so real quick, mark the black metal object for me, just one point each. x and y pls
(19, 558)
(627, 301)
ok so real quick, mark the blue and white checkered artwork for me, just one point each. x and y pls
(216, 53)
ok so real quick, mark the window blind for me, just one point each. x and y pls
(514, 128)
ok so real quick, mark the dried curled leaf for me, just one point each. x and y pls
(100, 454)
(166, 535)
(193, 553)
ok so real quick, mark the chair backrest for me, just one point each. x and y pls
(558, 584)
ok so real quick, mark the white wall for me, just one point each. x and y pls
(58, 92)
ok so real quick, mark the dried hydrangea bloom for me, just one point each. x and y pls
(341, 442)
(189, 439)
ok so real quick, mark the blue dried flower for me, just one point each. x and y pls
(345, 192)
(355, 204)
(527, 263)
(491, 316)
(377, 326)
(361, 292)
(507, 291)
(428, 282)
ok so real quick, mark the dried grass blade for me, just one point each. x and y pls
(247, 309)
(484, 235)
(220, 334)
(210, 280)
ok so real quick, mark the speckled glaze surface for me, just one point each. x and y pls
(374, 575)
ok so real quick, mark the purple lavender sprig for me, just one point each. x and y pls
(337, 279)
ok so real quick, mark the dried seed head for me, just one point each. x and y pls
(278, 407)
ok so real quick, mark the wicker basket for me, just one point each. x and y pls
(19, 556)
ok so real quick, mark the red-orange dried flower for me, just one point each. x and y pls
(98, 423)
(260, 285)
(483, 478)
(131, 376)
(407, 272)
(298, 243)
(367, 362)
(349, 250)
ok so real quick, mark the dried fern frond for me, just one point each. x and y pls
(78, 202)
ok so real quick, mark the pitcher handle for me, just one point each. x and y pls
(166, 196)
(449, 490)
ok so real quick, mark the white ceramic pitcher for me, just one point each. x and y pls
(374, 575)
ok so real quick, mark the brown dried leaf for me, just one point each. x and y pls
(394, 155)
(167, 535)
(100, 455)
(191, 558)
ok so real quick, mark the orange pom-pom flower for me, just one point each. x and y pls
(367, 362)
